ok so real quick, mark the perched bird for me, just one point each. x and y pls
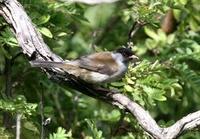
(97, 68)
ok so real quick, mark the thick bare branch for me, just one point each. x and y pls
(32, 44)
(145, 120)
(185, 124)
(27, 36)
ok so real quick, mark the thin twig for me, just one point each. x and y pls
(59, 108)
(8, 73)
(123, 114)
(42, 110)
(111, 24)
(18, 126)
(133, 30)
(76, 98)
(7, 122)
(15, 57)
(91, 46)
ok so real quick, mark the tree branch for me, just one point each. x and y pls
(183, 125)
(136, 26)
(34, 47)
(18, 125)
(43, 132)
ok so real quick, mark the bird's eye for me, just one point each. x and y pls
(124, 54)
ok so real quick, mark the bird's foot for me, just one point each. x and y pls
(108, 91)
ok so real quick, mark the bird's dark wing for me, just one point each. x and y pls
(98, 62)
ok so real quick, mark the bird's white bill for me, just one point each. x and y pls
(133, 57)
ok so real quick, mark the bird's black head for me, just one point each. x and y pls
(126, 53)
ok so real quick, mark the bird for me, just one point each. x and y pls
(98, 68)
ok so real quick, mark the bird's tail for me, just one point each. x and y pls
(49, 64)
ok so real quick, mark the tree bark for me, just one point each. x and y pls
(34, 47)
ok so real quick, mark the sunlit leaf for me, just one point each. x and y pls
(151, 33)
(129, 88)
(193, 24)
(45, 32)
(6, 54)
(43, 19)
(130, 81)
(184, 2)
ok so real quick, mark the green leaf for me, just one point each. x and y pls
(154, 65)
(151, 33)
(163, 106)
(43, 19)
(45, 31)
(60, 134)
(117, 84)
(159, 97)
(80, 17)
(34, 15)
(154, 5)
(155, 93)
(61, 34)
(177, 14)
(162, 35)
(184, 2)
(130, 81)
(30, 126)
(6, 54)
(128, 88)
(48, 109)
(170, 38)
(93, 129)
(178, 86)
(193, 24)
(12, 41)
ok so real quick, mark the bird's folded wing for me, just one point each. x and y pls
(103, 63)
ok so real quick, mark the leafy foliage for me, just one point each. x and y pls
(94, 133)
(166, 81)
(17, 105)
(60, 134)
